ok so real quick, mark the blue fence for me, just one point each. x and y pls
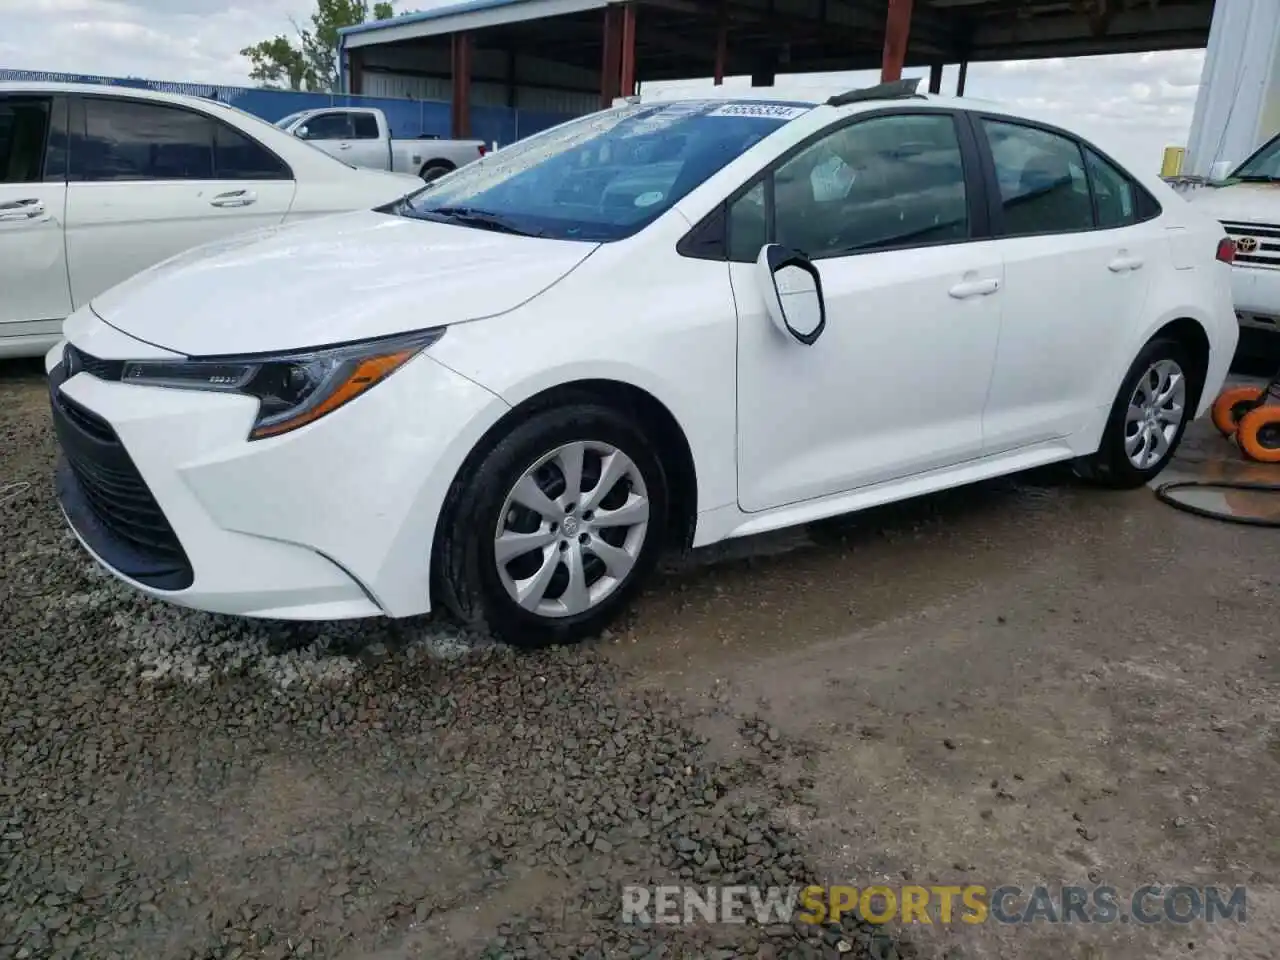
(408, 118)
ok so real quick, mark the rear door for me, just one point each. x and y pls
(1078, 260)
(149, 180)
(34, 291)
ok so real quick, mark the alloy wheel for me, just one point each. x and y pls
(1155, 414)
(571, 529)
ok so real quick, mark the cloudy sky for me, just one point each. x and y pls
(1134, 105)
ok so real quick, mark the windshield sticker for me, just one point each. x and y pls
(649, 199)
(776, 111)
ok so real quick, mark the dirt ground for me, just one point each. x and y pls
(1028, 681)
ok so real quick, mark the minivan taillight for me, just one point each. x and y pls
(1227, 250)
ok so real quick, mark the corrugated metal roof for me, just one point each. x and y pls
(448, 10)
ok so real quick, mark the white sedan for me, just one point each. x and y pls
(663, 324)
(99, 182)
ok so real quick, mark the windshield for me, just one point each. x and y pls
(285, 121)
(603, 177)
(1263, 165)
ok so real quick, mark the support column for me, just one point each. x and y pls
(722, 41)
(935, 78)
(628, 50)
(960, 80)
(460, 103)
(897, 29)
(355, 72)
(610, 59)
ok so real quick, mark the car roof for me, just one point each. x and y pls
(104, 89)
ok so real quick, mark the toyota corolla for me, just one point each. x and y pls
(665, 324)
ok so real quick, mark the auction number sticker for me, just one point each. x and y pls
(776, 111)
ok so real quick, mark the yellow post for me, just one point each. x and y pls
(1172, 165)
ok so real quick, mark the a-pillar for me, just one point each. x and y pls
(460, 103)
(897, 30)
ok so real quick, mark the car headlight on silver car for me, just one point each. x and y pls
(292, 389)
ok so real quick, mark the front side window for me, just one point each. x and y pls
(24, 128)
(1043, 187)
(129, 140)
(327, 126)
(877, 184)
(602, 177)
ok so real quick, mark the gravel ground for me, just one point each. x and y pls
(1021, 680)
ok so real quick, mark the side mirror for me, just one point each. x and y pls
(300, 132)
(1220, 171)
(792, 289)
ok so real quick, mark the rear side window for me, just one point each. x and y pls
(1043, 185)
(366, 126)
(24, 128)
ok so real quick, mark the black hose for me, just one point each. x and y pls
(1163, 493)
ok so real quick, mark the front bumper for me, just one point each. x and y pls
(1256, 292)
(334, 520)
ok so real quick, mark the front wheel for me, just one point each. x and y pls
(1147, 419)
(434, 171)
(554, 529)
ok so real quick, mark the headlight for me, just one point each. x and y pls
(292, 389)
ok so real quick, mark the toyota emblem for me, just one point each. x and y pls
(1247, 244)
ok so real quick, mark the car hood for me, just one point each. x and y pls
(1241, 202)
(332, 280)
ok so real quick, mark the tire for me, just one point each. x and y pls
(434, 171)
(1111, 465)
(467, 574)
(1232, 405)
(1259, 434)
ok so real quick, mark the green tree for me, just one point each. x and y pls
(310, 61)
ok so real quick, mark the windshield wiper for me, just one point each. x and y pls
(481, 218)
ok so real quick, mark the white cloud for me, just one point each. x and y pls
(1135, 104)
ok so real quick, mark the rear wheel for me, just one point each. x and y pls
(1259, 434)
(555, 528)
(434, 170)
(1147, 419)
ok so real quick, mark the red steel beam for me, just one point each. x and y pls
(897, 30)
(960, 80)
(460, 103)
(935, 78)
(610, 65)
(628, 50)
(722, 41)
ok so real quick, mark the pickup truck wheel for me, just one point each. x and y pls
(435, 170)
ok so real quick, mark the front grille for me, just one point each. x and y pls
(108, 502)
(1257, 244)
(76, 361)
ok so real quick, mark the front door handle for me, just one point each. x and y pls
(17, 211)
(234, 198)
(975, 288)
(344, 146)
(1125, 263)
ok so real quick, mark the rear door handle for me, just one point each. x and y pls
(975, 288)
(234, 198)
(17, 211)
(1123, 264)
(344, 146)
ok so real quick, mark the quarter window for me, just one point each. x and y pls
(1112, 193)
(883, 183)
(1043, 186)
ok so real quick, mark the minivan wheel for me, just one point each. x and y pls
(1147, 420)
(554, 529)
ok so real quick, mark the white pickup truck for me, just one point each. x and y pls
(362, 137)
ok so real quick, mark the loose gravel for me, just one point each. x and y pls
(182, 785)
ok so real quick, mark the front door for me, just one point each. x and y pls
(34, 291)
(150, 180)
(896, 383)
